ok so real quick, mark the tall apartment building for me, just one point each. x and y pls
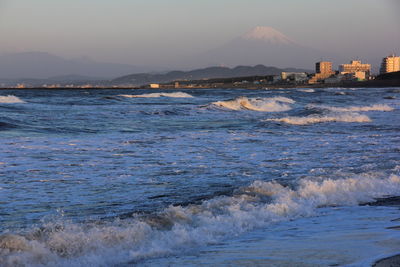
(390, 64)
(323, 70)
(323, 67)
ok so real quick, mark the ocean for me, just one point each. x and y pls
(219, 177)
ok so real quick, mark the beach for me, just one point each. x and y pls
(388, 262)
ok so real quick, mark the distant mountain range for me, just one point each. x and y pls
(264, 45)
(146, 78)
(40, 65)
(206, 73)
(261, 45)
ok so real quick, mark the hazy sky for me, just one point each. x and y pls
(156, 32)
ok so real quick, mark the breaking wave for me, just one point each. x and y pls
(274, 104)
(181, 228)
(155, 95)
(10, 99)
(346, 117)
(377, 107)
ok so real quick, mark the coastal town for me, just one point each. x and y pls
(354, 73)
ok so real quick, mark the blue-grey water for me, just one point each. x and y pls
(199, 177)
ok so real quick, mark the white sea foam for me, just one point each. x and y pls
(155, 95)
(178, 228)
(307, 90)
(337, 114)
(312, 119)
(274, 104)
(376, 107)
(10, 99)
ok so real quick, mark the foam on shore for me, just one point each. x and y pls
(180, 228)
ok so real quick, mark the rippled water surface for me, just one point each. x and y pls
(198, 177)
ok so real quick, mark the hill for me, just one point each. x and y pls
(206, 73)
(264, 45)
(40, 65)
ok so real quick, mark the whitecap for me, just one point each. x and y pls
(181, 228)
(274, 104)
(11, 99)
(376, 107)
(307, 90)
(156, 95)
(312, 119)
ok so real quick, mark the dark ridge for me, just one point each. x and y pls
(206, 73)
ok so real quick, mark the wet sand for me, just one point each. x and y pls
(393, 261)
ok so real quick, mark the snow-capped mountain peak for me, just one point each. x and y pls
(268, 35)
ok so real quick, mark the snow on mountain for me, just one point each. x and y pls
(263, 45)
(268, 35)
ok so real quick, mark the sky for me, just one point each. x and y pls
(157, 32)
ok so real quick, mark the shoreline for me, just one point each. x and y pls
(228, 84)
(391, 261)
(221, 87)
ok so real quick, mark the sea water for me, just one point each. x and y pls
(230, 177)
